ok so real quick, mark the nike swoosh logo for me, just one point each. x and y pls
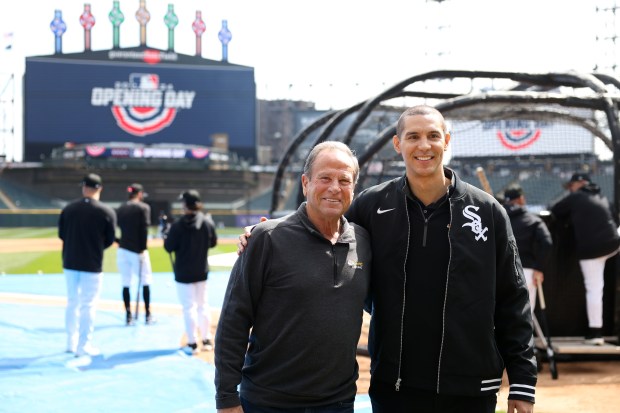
(383, 211)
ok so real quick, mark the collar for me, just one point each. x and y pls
(455, 183)
(346, 235)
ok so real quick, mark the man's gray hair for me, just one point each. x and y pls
(331, 145)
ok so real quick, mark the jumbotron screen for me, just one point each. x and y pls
(74, 99)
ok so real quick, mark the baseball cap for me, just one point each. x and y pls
(512, 192)
(578, 176)
(135, 188)
(92, 181)
(190, 197)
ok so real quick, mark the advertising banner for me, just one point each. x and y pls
(518, 138)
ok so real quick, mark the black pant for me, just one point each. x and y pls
(339, 407)
(385, 399)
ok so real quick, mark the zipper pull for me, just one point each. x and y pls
(398, 384)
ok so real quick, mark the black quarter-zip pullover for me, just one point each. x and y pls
(427, 264)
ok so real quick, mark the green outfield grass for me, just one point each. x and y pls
(52, 232)
(49, 262)
(23, 233)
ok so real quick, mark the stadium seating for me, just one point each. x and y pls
(25, 198)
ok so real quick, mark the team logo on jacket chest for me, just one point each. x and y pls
(476, 222)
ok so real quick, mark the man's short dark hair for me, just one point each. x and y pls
(418, 110)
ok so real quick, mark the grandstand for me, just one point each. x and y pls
(15, 196)
(32, 194)
(542, 179)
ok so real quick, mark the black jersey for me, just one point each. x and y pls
(86, 227)
(134, 218)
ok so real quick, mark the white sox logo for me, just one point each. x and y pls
(476, 223)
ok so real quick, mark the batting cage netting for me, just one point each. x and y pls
(534, 130)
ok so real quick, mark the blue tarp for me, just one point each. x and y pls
(140, 369)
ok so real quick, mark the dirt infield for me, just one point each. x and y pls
(55, 244)
(592, 387)
(30, 244)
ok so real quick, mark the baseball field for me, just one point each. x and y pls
(583, 385)
(36, 251)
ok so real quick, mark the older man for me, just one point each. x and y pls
(298, 294)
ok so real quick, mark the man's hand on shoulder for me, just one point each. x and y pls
(243, 238)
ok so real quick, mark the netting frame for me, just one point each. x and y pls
(594, 91)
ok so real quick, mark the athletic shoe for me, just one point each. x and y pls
(207, 345)
(71, 345)
(595, 341)
(190, 348)
(150, 320)
(595, 337)
(87, 350)
(129, 320)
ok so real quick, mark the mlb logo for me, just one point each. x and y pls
(144, 81)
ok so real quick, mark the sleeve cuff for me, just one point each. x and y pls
(522, 392)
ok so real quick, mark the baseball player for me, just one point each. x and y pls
(134, 218)
(86, 227)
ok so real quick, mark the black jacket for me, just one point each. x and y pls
(86, 227)
(298, 298)
(190, 238)
(486, 315)
(589, 213)
(533, 238)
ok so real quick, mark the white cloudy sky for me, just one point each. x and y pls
(338, 52)
(357, 47)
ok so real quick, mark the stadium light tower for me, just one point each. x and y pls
(606, 39)
(7, 107)
(439, 49)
